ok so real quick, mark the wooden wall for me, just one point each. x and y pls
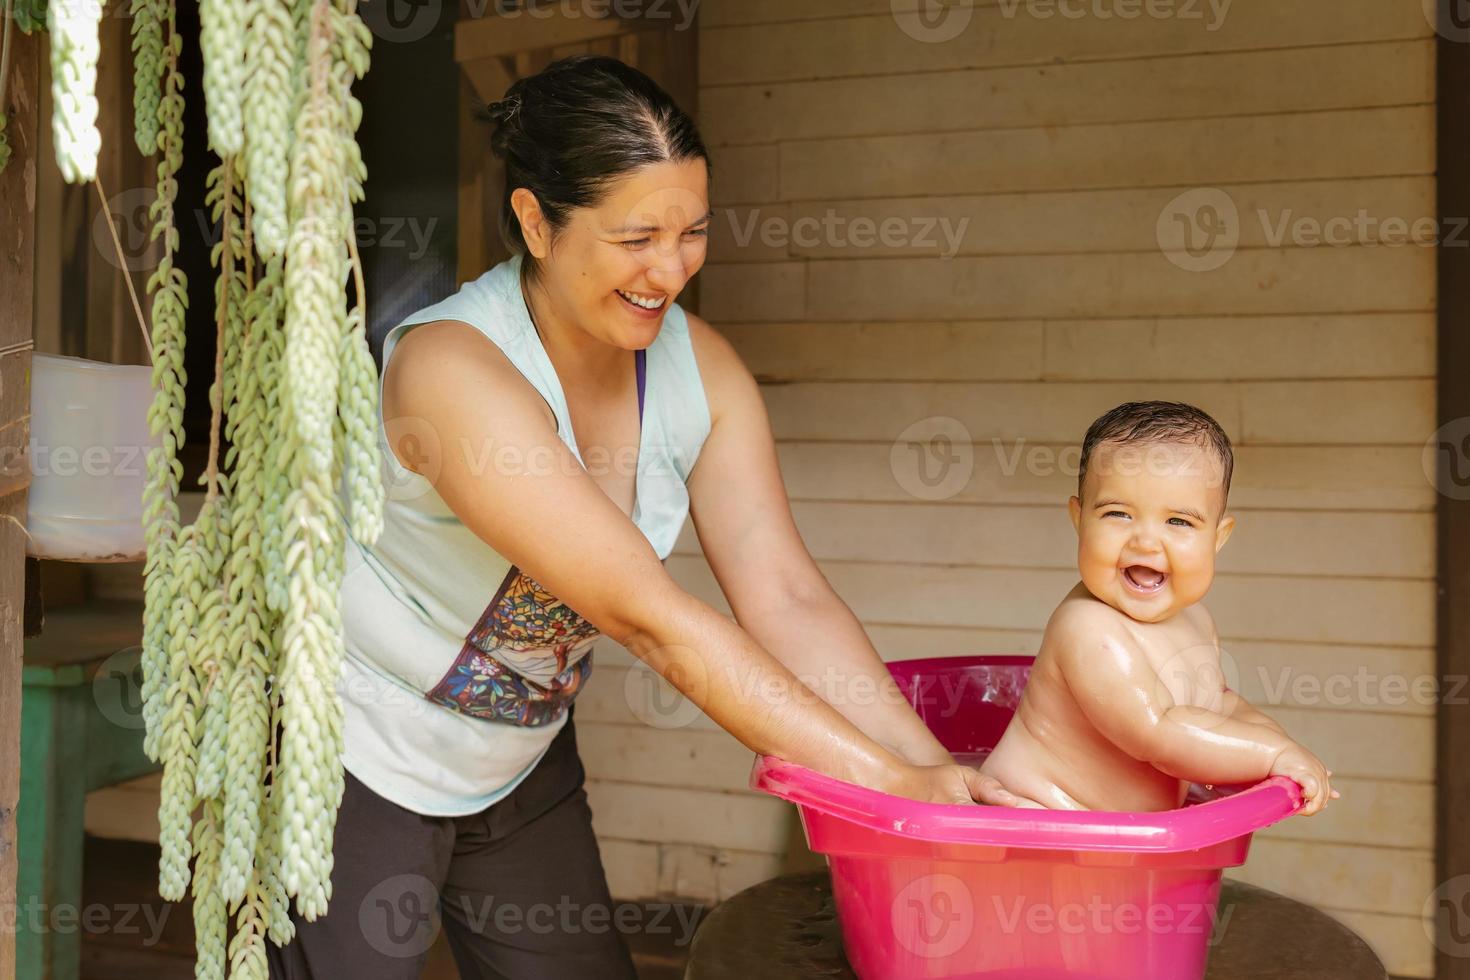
(1063, 141)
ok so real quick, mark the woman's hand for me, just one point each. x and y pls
(949, 784)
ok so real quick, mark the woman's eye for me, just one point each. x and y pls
(635, 243)
(699, 232)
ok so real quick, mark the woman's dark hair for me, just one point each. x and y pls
(575, 127)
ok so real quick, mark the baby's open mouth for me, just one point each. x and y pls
(1145, 579)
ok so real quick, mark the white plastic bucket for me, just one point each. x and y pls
(89, 448)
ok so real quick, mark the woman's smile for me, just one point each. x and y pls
(649, 306)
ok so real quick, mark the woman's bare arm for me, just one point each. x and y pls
(778, 594)
(498, 463)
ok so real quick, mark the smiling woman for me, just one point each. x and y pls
(547, 430)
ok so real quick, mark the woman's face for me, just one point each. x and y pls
(613, 269)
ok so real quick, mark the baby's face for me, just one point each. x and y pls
(1149, 522)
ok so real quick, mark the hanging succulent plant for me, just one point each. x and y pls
(242, 638)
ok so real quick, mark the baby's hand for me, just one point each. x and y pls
(1298, 763)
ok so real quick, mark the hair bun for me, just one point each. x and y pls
(504, 110)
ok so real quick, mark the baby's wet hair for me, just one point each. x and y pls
(1157, 422)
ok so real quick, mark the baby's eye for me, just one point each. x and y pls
(1180, 522)
(1115, 513)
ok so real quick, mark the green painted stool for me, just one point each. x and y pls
(81, 728)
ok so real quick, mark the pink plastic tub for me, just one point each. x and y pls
(933, 890)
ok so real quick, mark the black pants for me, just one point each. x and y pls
(518, 888)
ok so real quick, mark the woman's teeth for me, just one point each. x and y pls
(647, 304)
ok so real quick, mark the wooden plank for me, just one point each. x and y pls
(1297, 214)
(1034, 471)
(1396, 345)
(747, 822)
(1305, 281)
(501, 34)
(1261, 281)
(1188, 87)
(744, 173)
(1381, 813)
(1336, 876)
(725, 13)
(698, 759)
(1368, 411)
(1011, 33)
(1180, 348)
(1359, 746)
(1374, 612)
(676, 870)
(1180, 153)
(965, 351)
(1326, 543)
(17, 276)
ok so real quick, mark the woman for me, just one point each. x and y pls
(548, 429)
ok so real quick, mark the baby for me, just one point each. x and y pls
(1127, 703)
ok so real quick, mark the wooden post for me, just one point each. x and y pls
(17, 264)
(1452, 781)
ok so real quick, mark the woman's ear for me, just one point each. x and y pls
(534, 228)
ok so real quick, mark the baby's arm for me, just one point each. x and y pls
(1124, 698)
(1240, 709)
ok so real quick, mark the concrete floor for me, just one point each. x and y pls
(157, 941)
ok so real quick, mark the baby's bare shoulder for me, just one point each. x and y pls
(1081, 626)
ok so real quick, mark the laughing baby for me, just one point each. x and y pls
(1127, 703)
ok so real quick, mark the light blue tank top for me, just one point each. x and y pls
(459, 667)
